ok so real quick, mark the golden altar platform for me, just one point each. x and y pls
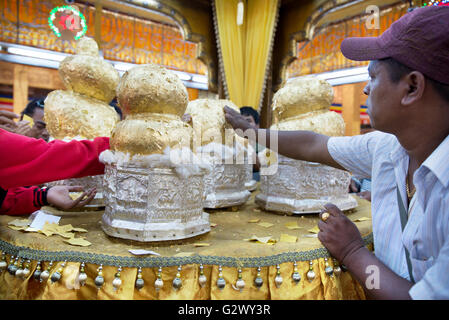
(246, 255)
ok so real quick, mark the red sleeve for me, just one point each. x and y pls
(20, 201)
(27, 161)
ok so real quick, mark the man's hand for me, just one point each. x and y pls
(59, 196)
(7, 120)
(23, 128)
(339, 234)
(237, 121)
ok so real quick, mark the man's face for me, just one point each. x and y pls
(383, 98)
(40, 127)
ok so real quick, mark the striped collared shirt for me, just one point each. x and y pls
(380, 156)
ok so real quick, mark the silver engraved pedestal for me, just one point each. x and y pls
(225, 186)
(250, 183)
(153, 204)
(301, 187)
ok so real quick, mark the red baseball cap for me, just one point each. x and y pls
(419, 40)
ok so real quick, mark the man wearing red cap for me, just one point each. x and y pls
(408, 104)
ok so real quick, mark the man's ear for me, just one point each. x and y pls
(414, 85)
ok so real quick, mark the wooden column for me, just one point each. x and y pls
(20, 88)
(98, 12)
(351, 107)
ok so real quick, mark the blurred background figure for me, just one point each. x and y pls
(34, 114)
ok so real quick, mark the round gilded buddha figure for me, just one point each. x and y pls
(300, 187)
(82, 111)
(216, 142)
(154, 182)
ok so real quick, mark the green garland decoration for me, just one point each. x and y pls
(52, 17)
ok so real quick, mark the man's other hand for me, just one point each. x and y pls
(7, 120)
(338, 234)
(237, 121)
(59, 196)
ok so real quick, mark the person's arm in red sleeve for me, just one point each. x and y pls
(21, 201)
(27, 161)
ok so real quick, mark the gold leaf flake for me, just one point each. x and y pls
(264, 240)
(46, 232)
(67, 235)
(51, 227)
(265, 224)
(20, 223)
(361, 219)
(292, 225)
(253, 220)
(17, 228)
(78, 242)
(213, 225)
(314, 230)
(288, 238)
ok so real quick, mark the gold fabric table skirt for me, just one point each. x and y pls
(223, 256)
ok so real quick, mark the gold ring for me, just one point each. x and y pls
(325, 216)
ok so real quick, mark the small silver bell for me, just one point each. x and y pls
(311, 275)
(296, 277)
(44, 276)
(55, 277)
(139, 283)
(221, 283)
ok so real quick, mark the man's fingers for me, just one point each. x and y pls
(5, 120)
(88, 199)
(332, 209)
(230, 111)
(78, 200)
(75, 188)
(9, 114)
(322, 225)
(7, 128)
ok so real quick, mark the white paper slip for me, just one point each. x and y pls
(41, 218)
(142, 252)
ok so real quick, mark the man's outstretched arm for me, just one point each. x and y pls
(300, 145)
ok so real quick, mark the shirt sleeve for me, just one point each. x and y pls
(27, 161)
(21, 201)
(355, 153)
(434, 285)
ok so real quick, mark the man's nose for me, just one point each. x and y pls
(366, 89)
(45, 134)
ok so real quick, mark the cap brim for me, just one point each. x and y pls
(362, 49)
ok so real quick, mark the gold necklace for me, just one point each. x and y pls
(407, 189)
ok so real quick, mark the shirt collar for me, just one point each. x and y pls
(438, 162)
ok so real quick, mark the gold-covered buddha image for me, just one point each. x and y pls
(83, 110)
(215, 140)
(150, 196)
(152, 100)
(208, 121)
(303, 104)
(301, 187)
